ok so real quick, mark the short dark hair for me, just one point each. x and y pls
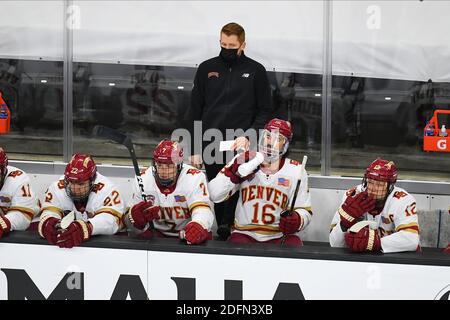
(233, 28)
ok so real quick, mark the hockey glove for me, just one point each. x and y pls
(5, 226)
(48, 228)
(194, 233)
(354, 207)
(290, 222)
(142, 213)
(365, 239)
(77, 232)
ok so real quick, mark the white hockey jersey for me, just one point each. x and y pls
(263, 198)
(18, 202)
(104, 208)
(398, 223)
(188, 201)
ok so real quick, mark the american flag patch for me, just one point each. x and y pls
(180, 198)
(284, 182)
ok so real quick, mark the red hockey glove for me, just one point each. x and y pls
(354, 207)
(77, 232)
(142, 213)
(5, 226)
(194, 233)
(365, 239)
(290, 222)
(48, 228)
(231, 170)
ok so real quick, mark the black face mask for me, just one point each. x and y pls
(229, 55)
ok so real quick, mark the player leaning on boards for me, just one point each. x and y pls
(178, 203)
(94, 200)
(389, 212)
(18, 202)
(266, 181)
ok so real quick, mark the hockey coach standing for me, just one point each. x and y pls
(231, 91)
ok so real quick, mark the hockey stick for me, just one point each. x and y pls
(123, 139)
(291, 209)
(67, 220)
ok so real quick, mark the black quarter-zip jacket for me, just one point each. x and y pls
(230, 96)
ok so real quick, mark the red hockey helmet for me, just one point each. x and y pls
(3, 166)
(79, 170)
(168, 160)
(168, 152)
(382, 170)
(281, 126)
(270, 144)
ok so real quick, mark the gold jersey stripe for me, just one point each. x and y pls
(256, 226)
(196, 204)
(53, 209)
(410, 230)
(408, 225)
(262, 232)
(23, 209)
(26, 212)
(116, 214)
(261, 229)
(199, 206)
(309, 209)
(332, 226)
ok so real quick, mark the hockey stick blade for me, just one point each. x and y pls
(113, 135)
(123, 139)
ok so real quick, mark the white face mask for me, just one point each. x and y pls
(272, 145)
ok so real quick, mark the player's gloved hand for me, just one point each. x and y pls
(354, 207)
(48, 228)
(142, 213)
(194, 233)
(290, 222)
(77, 232)
(365, 239)
(5, 226)
(243, 166)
